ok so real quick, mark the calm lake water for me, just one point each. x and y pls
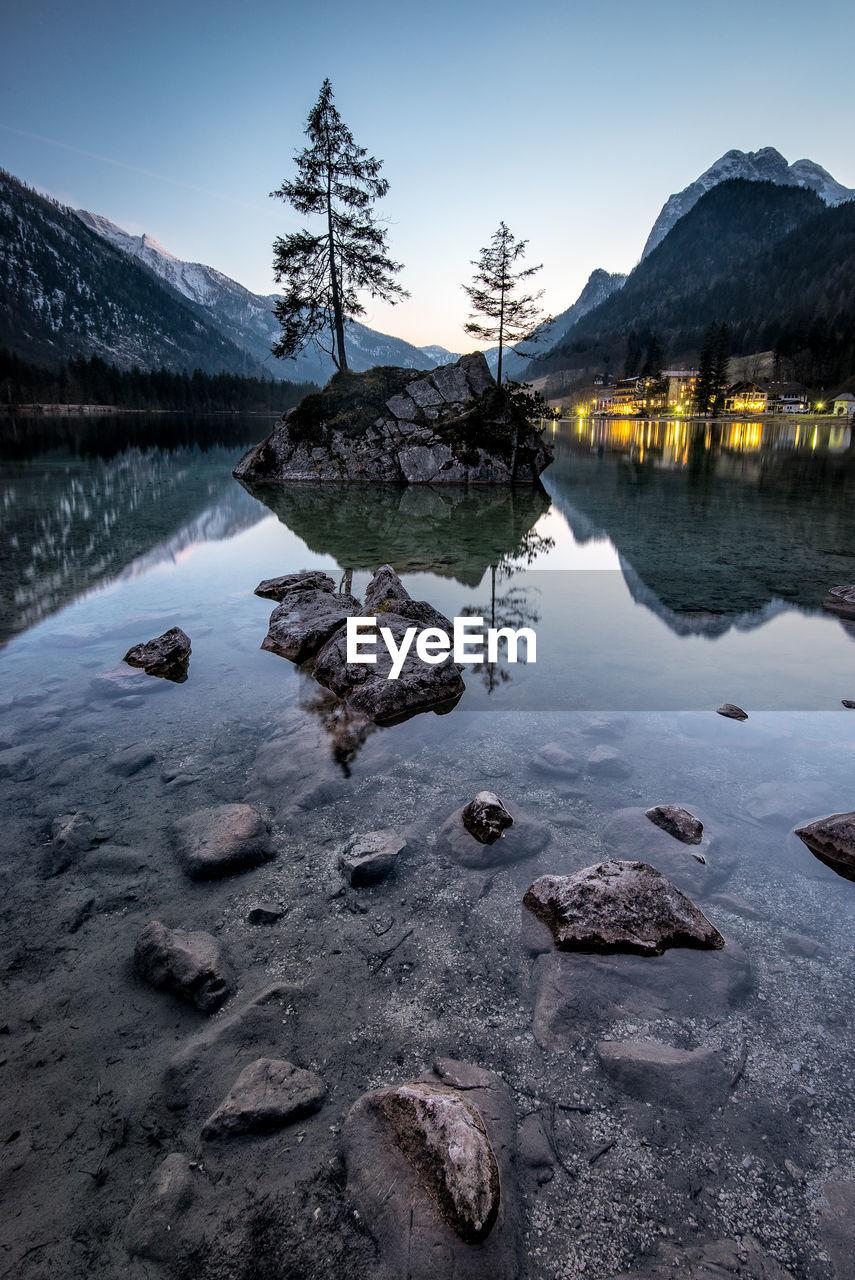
(666, 569)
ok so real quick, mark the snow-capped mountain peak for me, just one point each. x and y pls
(765, 165)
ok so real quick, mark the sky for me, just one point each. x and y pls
(570, 122)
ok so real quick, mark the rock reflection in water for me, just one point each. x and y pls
(455, 533)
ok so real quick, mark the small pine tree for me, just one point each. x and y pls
(492, 294)
(324, 272)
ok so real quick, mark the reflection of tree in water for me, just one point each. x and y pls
(511, 608)
(347, 730)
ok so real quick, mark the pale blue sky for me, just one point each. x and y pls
(571, 122)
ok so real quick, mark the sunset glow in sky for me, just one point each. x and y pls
(571, 122)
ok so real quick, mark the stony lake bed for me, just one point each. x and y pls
(683, 1114)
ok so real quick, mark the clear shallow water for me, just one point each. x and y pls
(667, 575)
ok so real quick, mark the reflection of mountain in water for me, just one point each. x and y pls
(723, 540)
(454, 533)
(70, 525)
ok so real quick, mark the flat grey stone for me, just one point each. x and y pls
(267, 1094)
(693, 1079)
(222, 840)
(368, 859)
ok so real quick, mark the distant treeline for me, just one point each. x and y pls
(94, 381)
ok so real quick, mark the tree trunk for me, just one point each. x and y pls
(338, 318)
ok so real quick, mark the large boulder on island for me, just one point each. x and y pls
(451, 425)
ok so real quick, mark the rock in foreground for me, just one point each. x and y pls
(279, 588)
(832, 840)
(486, 818)
(366, 688)
(523, 839)
(452, 425)
(429, 1171)
(693, 1079)
(166, 656)
(370, 858)
(190, 965)
(267, 1094)
(222, 840)
(678, 822)
(619, 906)
(305, 620)
(841, 600)
(731, 712)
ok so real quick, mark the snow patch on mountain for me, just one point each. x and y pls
(247, 318)
(765, 165)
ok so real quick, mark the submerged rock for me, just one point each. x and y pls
(579, 995)
(279, 588)
(553, 758)
(265, 913)
(486, 818)
(429, 1170)
(370, 858)
(421, 686)
(267, 1094)
(678, 822)
(619, 906)
(841, 600)
(694, 1079)
(605, 762)
(732, 712)
(166, 656)
(71, 835)
(131, 760)
(222, 840)
(154, 1227)
(451, 425)
(305, 620)
(832, 840)
(523, 839)
(191, 965)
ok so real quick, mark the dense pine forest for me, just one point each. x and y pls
(95, 382)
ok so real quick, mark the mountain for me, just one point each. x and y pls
(600, 285)
(441, 355)
(65, 291)
(766, 165)
(693, 277)
(748, 253)
(247, 319)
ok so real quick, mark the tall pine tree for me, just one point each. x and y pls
(512, 317)
(324, 271)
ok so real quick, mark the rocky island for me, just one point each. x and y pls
(452, 425)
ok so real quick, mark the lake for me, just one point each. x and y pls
(667, 568)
